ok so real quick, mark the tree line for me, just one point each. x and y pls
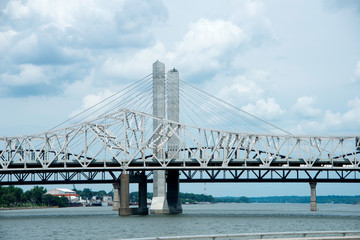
(87, 193)
(303, 199)
(15, 197)
(196, 198)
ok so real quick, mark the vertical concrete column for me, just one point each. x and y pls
(313, 206)
(173, 99)
(173, 192)
(124, 195)
(116, 197)
(142, 209)
(143, 191)
(173, 188)
(159, 202)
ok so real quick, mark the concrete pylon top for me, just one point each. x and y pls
(158, 66)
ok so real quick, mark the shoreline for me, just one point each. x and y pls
(23, 208)
(187, 204)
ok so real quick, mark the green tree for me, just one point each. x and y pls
(36, 194)
(26, 197)
(86, 193)
(50, 200)
(10, 196)
(17, 192)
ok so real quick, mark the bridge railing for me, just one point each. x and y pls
(275, 235)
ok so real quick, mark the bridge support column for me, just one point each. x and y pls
(159, 204)
(173, 188)
(124, 209)
(142, 209)
(116, 197)
(313, 205)
(173, 192)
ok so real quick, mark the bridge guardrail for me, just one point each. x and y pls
(272, 235)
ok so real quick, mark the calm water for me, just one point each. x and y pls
(103, 223)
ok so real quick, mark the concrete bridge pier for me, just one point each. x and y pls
(124, 209)
(173, 190)
(159, 204)
(313, 205)
(116, 197)
(142, 209)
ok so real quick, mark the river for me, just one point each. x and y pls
(103, 223)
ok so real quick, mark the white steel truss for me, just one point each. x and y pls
(125, 140)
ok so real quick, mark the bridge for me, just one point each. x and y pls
(139, 135)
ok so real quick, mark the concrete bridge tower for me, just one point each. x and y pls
(159, 204)
(173, 188)
(166, 200)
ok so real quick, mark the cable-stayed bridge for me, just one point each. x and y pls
(161, 129)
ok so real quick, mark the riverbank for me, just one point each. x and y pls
(22, 208)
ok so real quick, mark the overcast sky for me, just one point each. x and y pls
(293, 63)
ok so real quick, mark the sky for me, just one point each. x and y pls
(294, 63)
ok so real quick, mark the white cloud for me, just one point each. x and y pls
(61, 14)
(347, 122)
(254, 8)
(63, 36)
(133, 65)
(6, 39)
(249, 9)
(77, 87)
(304, 107)
(206, 46)
(357, 70)
(141, 14)
(349, 119)
(253, 19)
(206, 42)
(16, 10)
(267, 109)
(28, 75)
(66, 23)
(205, 34)
(239, 91)
(92, 99)
(352, 116)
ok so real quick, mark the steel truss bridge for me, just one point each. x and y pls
(98, 151)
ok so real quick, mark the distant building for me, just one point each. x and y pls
(63, 192)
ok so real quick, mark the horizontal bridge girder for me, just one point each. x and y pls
(214, 175)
